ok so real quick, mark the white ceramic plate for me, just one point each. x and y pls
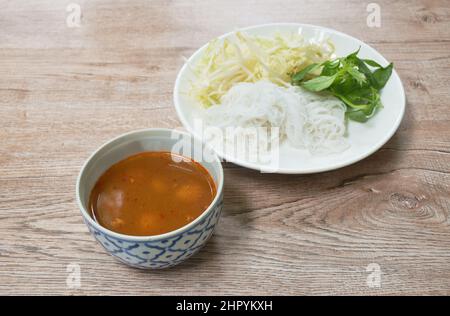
(364, 138)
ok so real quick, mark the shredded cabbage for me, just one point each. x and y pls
(245, 58)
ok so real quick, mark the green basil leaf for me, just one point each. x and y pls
(382, 76)
(372, 63)
(353, 55)
(367, 72)
(330, 67)
(319, 83)
(302, 73)
(357, 116)
(357, 75)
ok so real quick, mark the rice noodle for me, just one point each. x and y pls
(312, 121)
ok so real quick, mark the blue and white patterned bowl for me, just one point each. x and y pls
(159, 251)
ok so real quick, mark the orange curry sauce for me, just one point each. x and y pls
(151, 193)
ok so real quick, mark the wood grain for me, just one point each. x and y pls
(64, 91)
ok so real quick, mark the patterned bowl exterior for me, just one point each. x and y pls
(160, 253)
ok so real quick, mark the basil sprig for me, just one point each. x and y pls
(357, 82)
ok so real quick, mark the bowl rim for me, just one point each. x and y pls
(261, 168)
(212, 205)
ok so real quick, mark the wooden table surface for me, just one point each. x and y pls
(66, 90)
